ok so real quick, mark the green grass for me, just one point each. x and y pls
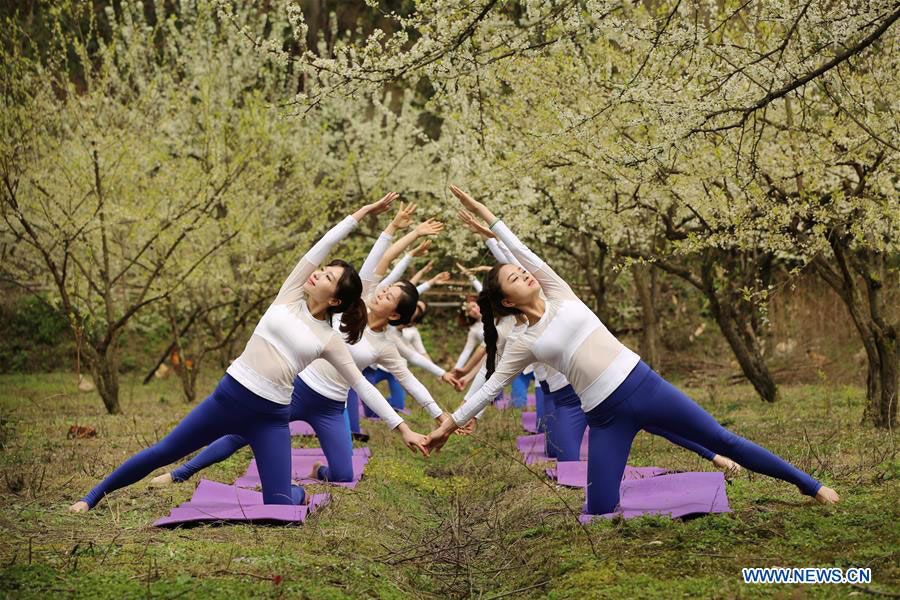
(471, 522)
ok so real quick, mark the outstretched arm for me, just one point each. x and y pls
(473, 362)
(338, 355)
(552, 284)
(498, 249)
(397, 366)
(367, 274)
(514, 359)
(472, 342)
(421, 273)
(439, 279)
(426, 228)
(292, 288)
(417, 360)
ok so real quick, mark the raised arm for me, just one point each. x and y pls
(439, 279)
(421, 273)
(367, 274)
(292, 288)
(397, 272)
(552, 284)
(498, 249)
(429, 227)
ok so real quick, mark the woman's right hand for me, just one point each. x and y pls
(474, 225)
(402, 219)
(472, 205)
(421, 249)
(429, 227)
(441, 278)
(414, 441)
(450, 379)
(376, 208)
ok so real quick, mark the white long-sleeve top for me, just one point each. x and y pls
(412, 337)
(374, 347)
(288, 338)
(396, 274)
(411, 355)
(507, 332)
(501, 252)
(568, 337)
(555, 380)
(474, 338)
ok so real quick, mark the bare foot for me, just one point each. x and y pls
(80, 507)
(726, 464)
(162, 480)
(314, 474)
(826, 495)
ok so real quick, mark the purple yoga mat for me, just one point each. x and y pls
(301, 465)
(533, 448)
(573, 473)
(529, 422)
(364, 451)
(213, 501)
(675, 495)
(301, 428)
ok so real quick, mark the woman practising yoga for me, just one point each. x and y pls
(564, 419)
(253, 398)
(619, 393)
(320, 391)
(375, 373)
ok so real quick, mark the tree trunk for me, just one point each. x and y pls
(105, 369)
(878, 334)
(188, 376)
(644, 284)
(740, 339)
(881, 384)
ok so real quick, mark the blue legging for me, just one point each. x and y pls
(353, 411)
(539, 404)
(548, 420)
(398, 395)
(230, 409)
(566, 429)
(645, 400)
(519, 389)
(327, 418)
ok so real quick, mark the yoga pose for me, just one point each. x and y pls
(564, 420)
(377, 374)
(619, 393)
(320, 391)
(253, 398)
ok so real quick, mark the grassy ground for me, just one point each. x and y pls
(470, 522)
